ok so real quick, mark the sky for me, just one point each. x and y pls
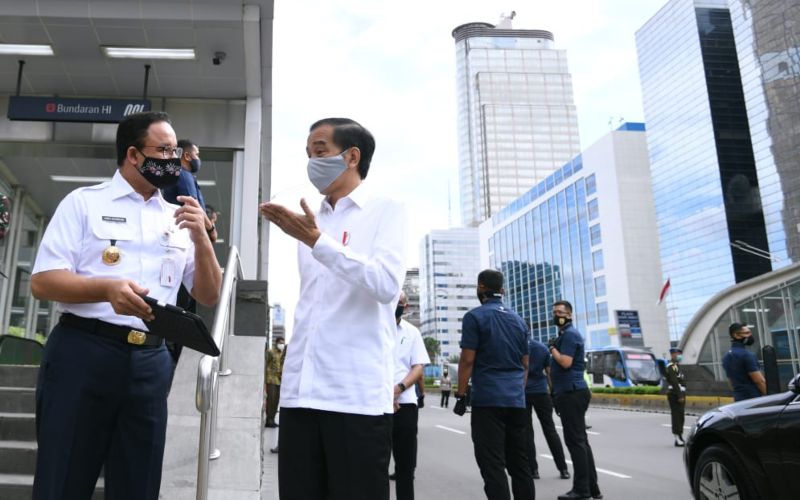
(391, 66)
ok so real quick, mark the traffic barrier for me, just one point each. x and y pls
(658, 402)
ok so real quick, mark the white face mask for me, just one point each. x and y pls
(323, 171)
(279, 347)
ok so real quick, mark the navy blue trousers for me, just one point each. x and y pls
(100, 402)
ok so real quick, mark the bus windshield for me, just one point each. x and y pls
(642, 367)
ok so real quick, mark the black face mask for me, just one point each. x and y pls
(160, 172)
(398, 312)
(561, 321)
(747, 341)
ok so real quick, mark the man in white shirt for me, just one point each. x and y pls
(336, 390)
(410, 358)
(101, 397)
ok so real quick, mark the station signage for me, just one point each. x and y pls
(630, 328)
(63, 109)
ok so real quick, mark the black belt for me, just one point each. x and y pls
(122, 334)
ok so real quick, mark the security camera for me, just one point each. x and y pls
(218, 58)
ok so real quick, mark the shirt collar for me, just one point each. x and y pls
(357, 197)
(121, 188)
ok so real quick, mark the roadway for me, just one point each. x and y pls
(634, 455)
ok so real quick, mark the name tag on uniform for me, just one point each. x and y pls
(168, 272)
(108, 218)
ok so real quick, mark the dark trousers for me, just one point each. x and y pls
(445, 399)
(273, 399)
(498, 436)
(543, 405)
(572, 406)
(404, 449)
(333, 456)
(677, 403)
(100, 402)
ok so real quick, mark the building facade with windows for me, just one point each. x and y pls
(586, 234)
(448, 276)
(713, 218)
(768, 49)
(411, 287)
(517, 121)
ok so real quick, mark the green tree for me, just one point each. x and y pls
(455, 358)
(433, 347)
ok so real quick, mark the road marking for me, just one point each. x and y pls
(669, 425)
(598, 469)
(450, 429)
(593, 433)
(437, 408)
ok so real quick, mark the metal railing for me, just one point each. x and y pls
(209, 370)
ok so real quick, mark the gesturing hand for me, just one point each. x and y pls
(302, 227)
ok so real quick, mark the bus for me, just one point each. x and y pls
(622, 367)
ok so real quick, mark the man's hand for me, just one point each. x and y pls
(551, 342)
(125, 297)
(460, 408)
(192, 217)
(421, 401)
(302, 227)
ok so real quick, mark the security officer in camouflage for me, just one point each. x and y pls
(676, 394)
(273, 369)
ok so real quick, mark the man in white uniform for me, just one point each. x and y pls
(410, 360)
(336, 390)
(101, 398)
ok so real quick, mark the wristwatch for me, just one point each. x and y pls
(402, 386)
(211, 230)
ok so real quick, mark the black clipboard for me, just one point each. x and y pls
(180, 326)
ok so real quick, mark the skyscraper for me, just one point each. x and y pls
(768, 45)
(448, 276)
(705, 184)
(516, 114)
(411, 287)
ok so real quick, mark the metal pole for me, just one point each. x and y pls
(214, 452)
(19, 75)
(224, 371)
(202, 457)
(146, 78)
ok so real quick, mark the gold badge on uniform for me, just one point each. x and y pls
(112, 254)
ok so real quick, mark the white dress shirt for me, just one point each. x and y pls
(409, 350)
(341, 351)
(154, 252)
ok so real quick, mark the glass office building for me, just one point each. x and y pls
(448, 275)
(705, 184)
(768, 48)
(411, 287)
(516, 114)
(586, 234)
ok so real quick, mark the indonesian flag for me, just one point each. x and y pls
(664, 292)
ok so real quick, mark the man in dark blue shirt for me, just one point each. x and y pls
(741, 365)
(537, 397)
(494, 352)
(571, 397)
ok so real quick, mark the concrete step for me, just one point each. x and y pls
(20, 487)
(17, 457)
(18, 376)
(17, 427)
(17, 400)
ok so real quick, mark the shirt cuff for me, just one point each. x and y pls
(326, 249)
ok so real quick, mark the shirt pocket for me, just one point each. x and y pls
(106, 234)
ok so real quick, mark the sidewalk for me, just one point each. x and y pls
(269, 471)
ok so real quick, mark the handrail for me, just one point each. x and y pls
(210, 368)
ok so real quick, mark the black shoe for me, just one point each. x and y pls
(535, 474)
(270, 425)
(392, 476)
(273, 450)
(571, 495)
(596, 494)
(565, 474)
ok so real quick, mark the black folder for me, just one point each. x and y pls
(180, 326)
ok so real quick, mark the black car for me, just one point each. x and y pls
(747, 450)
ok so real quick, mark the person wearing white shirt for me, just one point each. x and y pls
(101, 397)
(336, 390)
(410, 357)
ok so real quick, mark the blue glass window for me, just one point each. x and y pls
(591, 185)
(594, 233)
(593, 209)
(597, 260)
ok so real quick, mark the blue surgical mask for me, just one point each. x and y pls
(323, 171)
(194, 165)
